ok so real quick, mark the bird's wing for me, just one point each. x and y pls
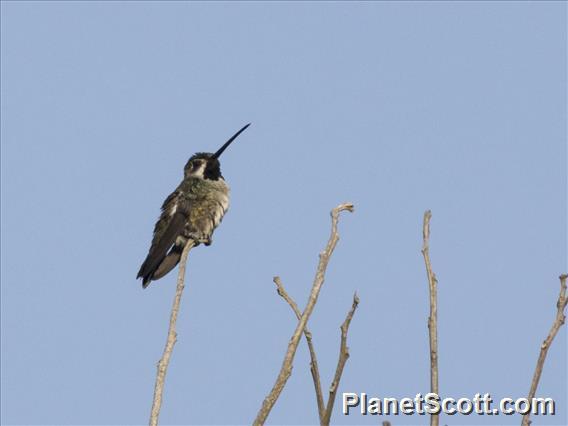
(178, 209)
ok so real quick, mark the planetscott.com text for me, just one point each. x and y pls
(431, 403)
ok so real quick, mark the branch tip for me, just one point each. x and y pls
(545, 346)
(433, 317)
(355, 298)
(343, 357)
(286, 368)
(343, 207)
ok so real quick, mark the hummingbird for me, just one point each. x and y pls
(191, 212)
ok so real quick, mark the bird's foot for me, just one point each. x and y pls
(201, 239)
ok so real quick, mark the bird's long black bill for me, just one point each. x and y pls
(226, 144)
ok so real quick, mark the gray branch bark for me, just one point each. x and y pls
(286, 369)
(433, 318)
(343, 357)
(324, 411)
(314, 368)
(171, 340)
(558, 321)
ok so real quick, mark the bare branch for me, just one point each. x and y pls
(314, 362)
(172, 337)
(558, 321)
(433, 318)
(343, 357)
(286, 369)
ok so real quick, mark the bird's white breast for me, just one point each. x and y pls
(222, 197)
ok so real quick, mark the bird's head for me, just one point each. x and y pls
(205, 165)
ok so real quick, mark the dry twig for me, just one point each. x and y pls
(286, 369)
(343, 357)
(314, 362)
(558, 321)
(323, 411)
(433, 318)
(170, 342)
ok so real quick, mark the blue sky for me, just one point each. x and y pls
(397, 107)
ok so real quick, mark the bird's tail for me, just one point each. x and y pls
(169, 262)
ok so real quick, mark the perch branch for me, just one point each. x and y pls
(286, 369)
(171, 341)
(558, 321)
(343, 357)
(433, 318)
(308, 335)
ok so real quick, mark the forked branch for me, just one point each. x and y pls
(343, 357)
(171, 340)
(314, 368)
(324, 411)
(558, 321)
(286, 369)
